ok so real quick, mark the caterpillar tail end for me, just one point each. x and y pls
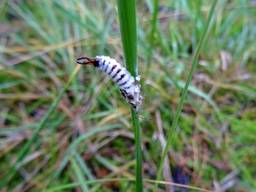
(86, 61)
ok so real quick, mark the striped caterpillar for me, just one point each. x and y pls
(129, 86)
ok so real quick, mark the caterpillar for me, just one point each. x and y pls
(128, 85)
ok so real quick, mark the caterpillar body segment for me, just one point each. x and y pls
(129, 86)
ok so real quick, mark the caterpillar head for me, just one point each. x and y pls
(87, 61)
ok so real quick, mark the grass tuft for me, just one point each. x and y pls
(173, 131)
(25, 149)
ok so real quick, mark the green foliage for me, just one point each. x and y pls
(82, 138)
(173, 131)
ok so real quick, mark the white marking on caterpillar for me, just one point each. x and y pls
(129, 86)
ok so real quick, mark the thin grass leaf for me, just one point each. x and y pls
(73, 185)
(90, 25)
(31, 21)
(100, 181)
(73, 146)
(198, 92)
(84, 166)
(3, 8)
(79, 175)
(127, 17)
(173, 132)
(152, 34)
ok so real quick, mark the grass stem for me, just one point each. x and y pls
(127, 17)
(173, 132)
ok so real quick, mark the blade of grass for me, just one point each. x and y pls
(105, 180)
(84, 168)
(3, 8)
(152, 34)
(79, 175)
(127, 17)
(34, 136)
(74, 145)
(173, 132)
(25, 13)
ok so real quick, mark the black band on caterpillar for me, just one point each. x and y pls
(128, 85)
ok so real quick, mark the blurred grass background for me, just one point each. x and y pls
(89, 136)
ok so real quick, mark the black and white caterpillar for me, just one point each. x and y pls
(129, 86)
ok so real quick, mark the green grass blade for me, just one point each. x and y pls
(172, 132)
(84, 167)
(127, 17)
(3, 8)
(99, 181)
(73, 146)
(106, 180)
(40, 126)
(152, 34)
(79, 175)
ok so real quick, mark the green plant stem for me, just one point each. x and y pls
(172, 133)
(127, 17)
(22, 154)
(137, 133)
